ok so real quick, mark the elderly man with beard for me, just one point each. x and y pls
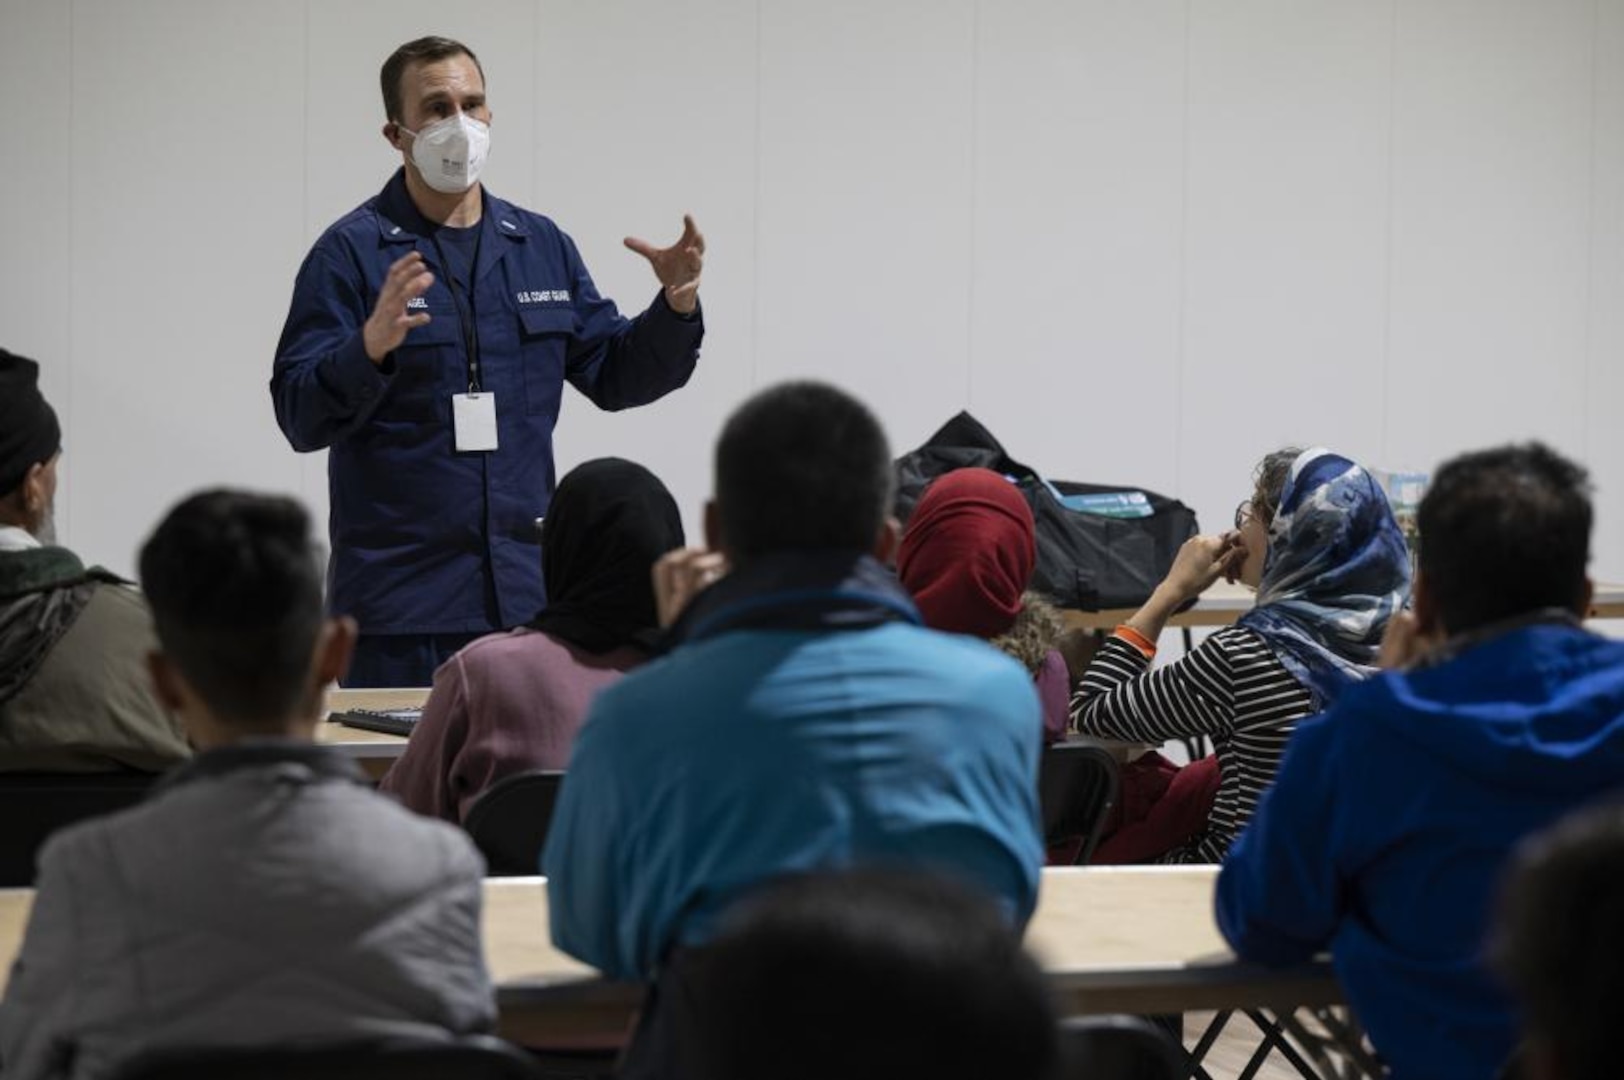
(74, 691)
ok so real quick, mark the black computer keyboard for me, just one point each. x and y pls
(388, 721)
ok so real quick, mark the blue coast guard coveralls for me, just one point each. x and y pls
(427, 540)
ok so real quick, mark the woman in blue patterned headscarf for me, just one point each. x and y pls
(1329, 565)
(1318, 541)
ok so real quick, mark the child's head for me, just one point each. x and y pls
(867, 974)
(1560, 945)
(235, 584)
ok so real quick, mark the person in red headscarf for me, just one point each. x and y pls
(967, 558)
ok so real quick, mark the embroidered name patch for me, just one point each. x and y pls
(545, 296)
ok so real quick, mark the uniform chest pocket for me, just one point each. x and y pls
(429, 367)
(544, 337)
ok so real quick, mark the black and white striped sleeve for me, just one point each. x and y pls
(1120, 698)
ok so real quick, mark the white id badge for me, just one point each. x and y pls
(473, 418)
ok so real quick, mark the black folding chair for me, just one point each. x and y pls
(35, 805)
(1118, 1048)
(508, 821)
(471, 1057)
(1077, 786)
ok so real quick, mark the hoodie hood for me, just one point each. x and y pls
(1539, 709)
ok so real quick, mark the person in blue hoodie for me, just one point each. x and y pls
(1395, 812)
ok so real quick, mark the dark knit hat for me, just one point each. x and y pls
(29, 433)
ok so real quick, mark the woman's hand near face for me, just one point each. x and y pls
(1235, 557)
(1203, 560)
(1199, 563)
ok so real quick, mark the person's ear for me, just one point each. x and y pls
(1586, 598)
(391, 132)
(36, 487)
(1422, 607)
(890, 535)
(167, 683)
(713, 526)
(335, 646)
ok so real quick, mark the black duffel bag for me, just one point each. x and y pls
(1085, 561)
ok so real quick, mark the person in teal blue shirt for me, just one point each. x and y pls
(803, 718)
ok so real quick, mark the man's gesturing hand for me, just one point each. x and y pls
(677, 266)
(386, 328)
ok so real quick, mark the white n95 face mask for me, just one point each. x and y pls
(450, 153)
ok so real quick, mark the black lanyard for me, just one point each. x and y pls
(465, 317)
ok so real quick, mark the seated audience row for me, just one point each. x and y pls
(774, 705)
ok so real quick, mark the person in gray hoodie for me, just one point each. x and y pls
(262, 894)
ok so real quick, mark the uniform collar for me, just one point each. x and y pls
(400, 222)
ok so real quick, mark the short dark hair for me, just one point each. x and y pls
(1504, 532)
(802, 465)
(235, 584)
(424, 50)
(865, 974)
(1559, 942)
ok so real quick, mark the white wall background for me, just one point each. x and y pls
(1143, 240)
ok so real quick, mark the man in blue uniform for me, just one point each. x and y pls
(430, 335)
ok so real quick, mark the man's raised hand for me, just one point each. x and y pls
(678, 266)
(386, 328)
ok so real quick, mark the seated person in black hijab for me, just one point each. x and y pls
(513, 701)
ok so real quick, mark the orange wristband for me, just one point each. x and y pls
(1139, 641)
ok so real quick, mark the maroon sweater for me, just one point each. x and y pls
(506, 703)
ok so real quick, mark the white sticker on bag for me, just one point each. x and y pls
(473, 419)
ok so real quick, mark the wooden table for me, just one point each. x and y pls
(1143, 939)
(1608, 602)
(1222, 604)
(1111, 939)
(373, 751)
